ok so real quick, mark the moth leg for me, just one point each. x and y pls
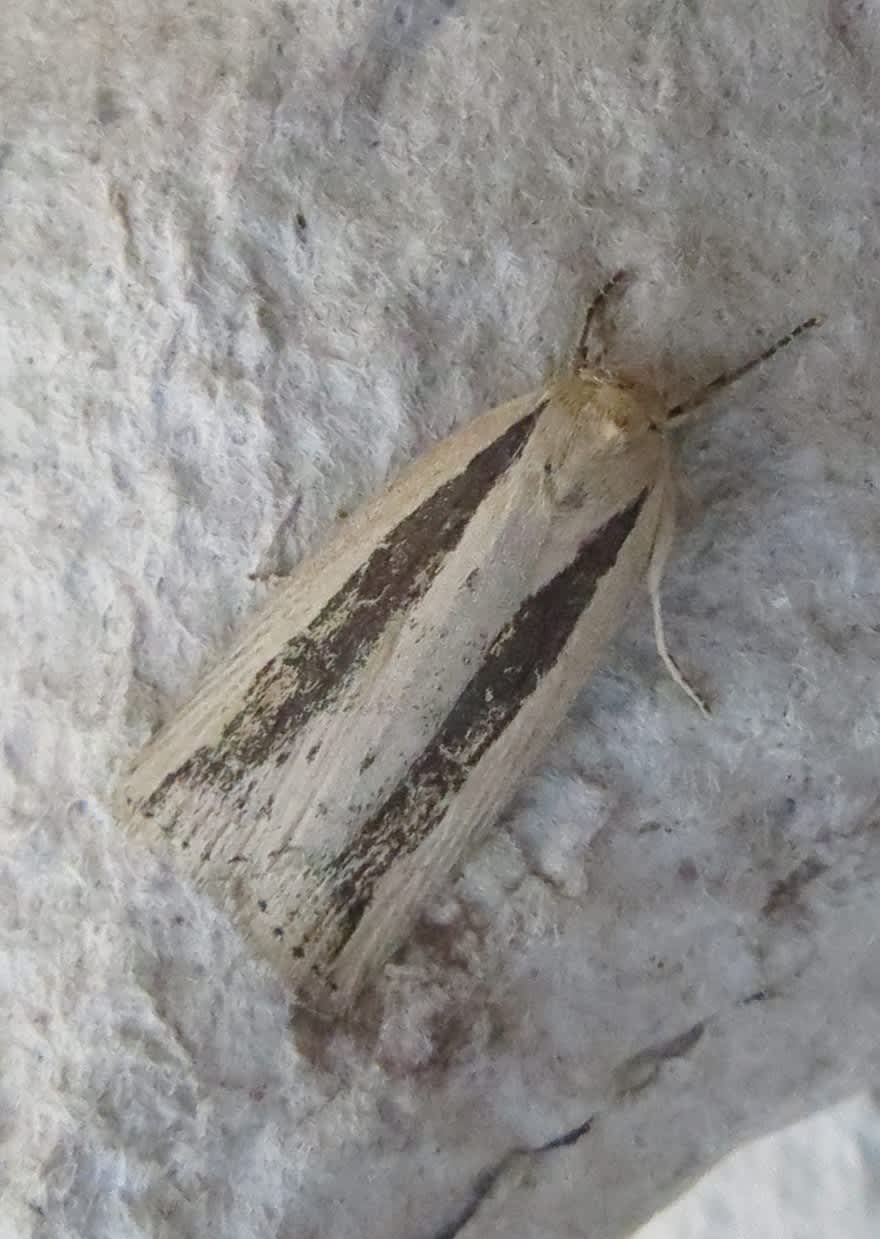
(583, 355)
(657, 566)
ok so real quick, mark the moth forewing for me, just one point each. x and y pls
(544, 694)
(378, 714)
(295, 604)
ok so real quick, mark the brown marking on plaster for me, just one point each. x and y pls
(785, 898)
(522, 653)
(759, 995)
(642, 1069)
(687, 871)
(450, 945)
(314, 667)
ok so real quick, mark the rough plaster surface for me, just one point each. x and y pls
(254, 256)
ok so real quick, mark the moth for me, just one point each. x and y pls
(377, 716)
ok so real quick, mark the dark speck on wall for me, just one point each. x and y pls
(107, 108)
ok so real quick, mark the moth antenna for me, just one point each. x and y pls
(582, 352)
(686, 407)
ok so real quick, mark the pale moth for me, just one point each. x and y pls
(378, 715)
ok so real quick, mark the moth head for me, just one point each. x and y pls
(632, 408)
(616, 406)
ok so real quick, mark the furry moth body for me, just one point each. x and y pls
(378, 715)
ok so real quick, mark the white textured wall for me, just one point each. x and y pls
(819, 1179)
(253, 256)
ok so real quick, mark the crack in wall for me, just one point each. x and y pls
(632, 1076)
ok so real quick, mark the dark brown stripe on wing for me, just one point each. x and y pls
(315, 666)
(523, 652)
